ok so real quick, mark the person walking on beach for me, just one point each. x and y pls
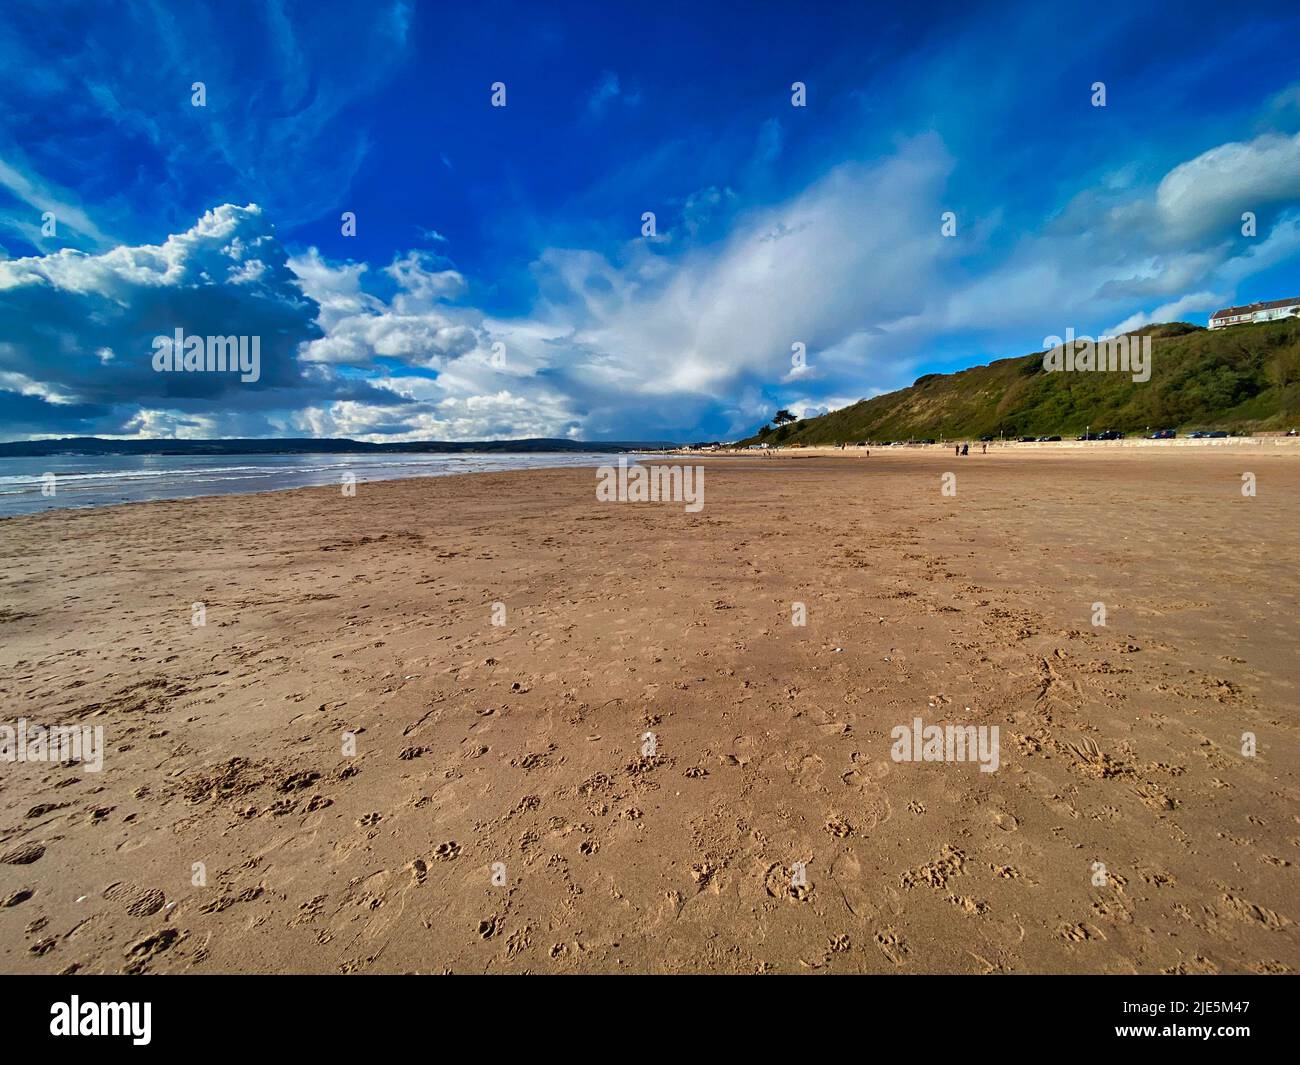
(956, 450)
(965, 449)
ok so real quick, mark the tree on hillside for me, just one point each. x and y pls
(783, 416)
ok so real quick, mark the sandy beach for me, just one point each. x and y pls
(410, 735)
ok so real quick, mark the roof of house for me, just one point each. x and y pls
(1232, 312)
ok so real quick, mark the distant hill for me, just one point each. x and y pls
(93, 445)
(1242, 378)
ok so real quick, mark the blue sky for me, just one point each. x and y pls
(499, 285)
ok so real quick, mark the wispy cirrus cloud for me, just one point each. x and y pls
(118, 92)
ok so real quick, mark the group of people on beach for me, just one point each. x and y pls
(964, 449)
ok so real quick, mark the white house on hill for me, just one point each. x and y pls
(1255, 312)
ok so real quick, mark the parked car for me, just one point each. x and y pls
(1110, 434)
(1048, 439)
(1217, 434)
(1086, 436)
(989, 439)
(1163, 434)
(1027, 439)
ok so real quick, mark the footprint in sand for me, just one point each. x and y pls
(1004, 821)
(1079, 933)
(1248, 911)
(855, 888)
(25, 854)
(779, 881)
(838, 827)
(140, 953)
(146, 903)
(892, 946)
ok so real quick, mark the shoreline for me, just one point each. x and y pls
(1291, 448)
(204, 475)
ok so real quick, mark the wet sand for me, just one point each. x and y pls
(499, 814)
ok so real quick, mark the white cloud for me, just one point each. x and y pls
(503, 415)
(850, 250)
(1213, 190)
(79, 330)
(417, 274)
(1196, 303)
(415, 327)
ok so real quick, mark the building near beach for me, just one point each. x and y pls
(1268, 311)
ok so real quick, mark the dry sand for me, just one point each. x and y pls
(521, 743)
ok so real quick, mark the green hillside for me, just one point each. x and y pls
(1242, 378)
